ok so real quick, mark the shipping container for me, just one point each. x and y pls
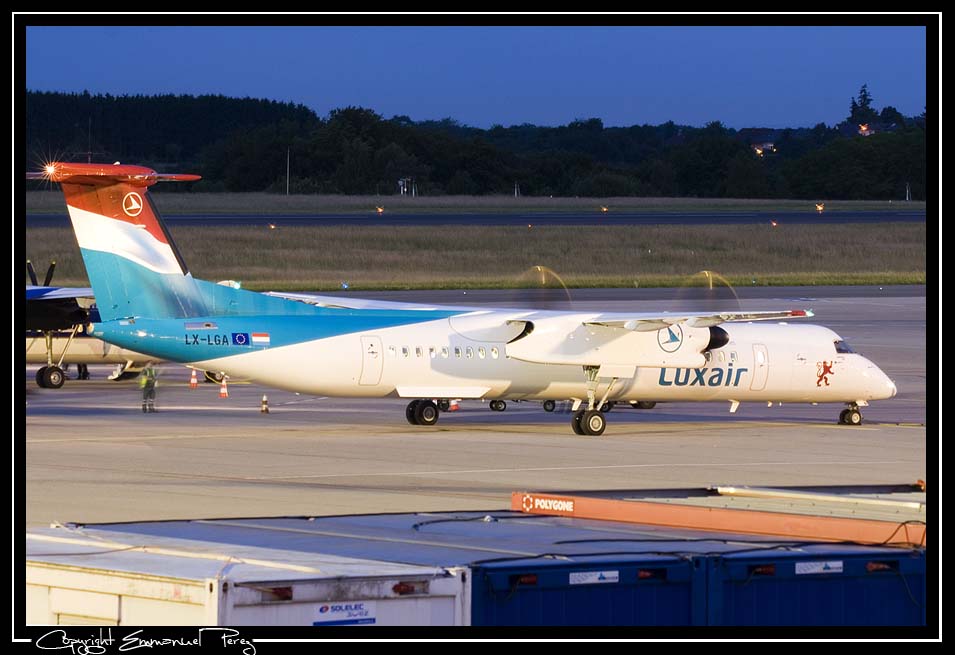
(87, 579)
(499, 568)
(818, 585)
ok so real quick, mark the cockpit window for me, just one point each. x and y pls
(843, 347)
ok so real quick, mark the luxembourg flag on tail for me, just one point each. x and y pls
(260, 339)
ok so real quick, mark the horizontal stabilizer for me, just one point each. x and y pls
(105, 174)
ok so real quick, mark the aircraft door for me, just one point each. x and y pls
(761, 364)
(372, 359)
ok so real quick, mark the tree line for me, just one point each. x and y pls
(245, 144)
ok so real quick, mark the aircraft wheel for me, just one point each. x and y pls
(593, 423)
(575, 422)
(39, 377)
(410, 412)
(53, 377)
(444, 405)
(498, 405)
(842, 417)
(853, 417)
(214, 376)
(426, 413)
(643, 404)
(550, 405)
(607, 406)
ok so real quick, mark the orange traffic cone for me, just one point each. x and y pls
(265, 405)
(454, 405)
(193, 381)
(224, 389)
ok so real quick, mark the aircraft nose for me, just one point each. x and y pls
(884, 386)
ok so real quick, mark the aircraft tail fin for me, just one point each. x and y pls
(133, 264)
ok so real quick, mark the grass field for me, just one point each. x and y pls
(368, 257)
(39, 202)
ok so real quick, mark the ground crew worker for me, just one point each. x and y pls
(148, 383)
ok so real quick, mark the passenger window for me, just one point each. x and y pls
(733, 356)
(470, 352)
(708, 356)
(417, 351)
(722, 357)
(482, 353)
(391, 352)
(843, 347)
(457, 352)
(431, 352)
(493, 353)
(404, 351)
(444, 352)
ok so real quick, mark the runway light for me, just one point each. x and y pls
(774, 223)
(49, 169)
(603, 209)
(529, 226)
(271, 226)
(820, 206)
(380, 210)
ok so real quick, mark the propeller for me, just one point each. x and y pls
(540, 288)
(49, 273)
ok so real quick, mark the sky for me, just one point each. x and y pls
(480, 76)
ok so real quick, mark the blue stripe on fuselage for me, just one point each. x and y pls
(169, 339)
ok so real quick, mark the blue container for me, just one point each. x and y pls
(642, 590)
(822, 585)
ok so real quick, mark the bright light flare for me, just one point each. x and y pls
(820, 206)
(380, 210)
(604, 209)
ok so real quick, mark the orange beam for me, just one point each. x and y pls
(826, 528)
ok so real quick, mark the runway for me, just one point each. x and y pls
(570, 218)
(93, 456)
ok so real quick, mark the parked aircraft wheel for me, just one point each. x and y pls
(410, 412)
(498, 405)
(575, 423)
(53, 377)
(853, 417)
(593, 423)
(842, 417)
(550, 405)
(607, 406)
(643, 404)
(444, 405)
(39, 377)
(426, 413)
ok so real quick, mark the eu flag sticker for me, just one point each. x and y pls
(240, 338)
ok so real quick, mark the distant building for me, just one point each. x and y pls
(762, 140)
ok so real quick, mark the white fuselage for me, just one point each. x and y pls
(468, 356)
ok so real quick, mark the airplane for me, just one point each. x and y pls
(57, 321)
(149, 302)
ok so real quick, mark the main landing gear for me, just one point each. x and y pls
(591, 421)
(51, 376)
(422, 412)
(851, 415)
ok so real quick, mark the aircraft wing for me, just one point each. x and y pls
(653, 322)
(58, 308)
(620, 342)
(58, 293)
(338, 302)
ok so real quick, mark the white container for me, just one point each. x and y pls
(81, 577)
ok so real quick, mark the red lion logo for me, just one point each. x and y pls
(823, 370)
